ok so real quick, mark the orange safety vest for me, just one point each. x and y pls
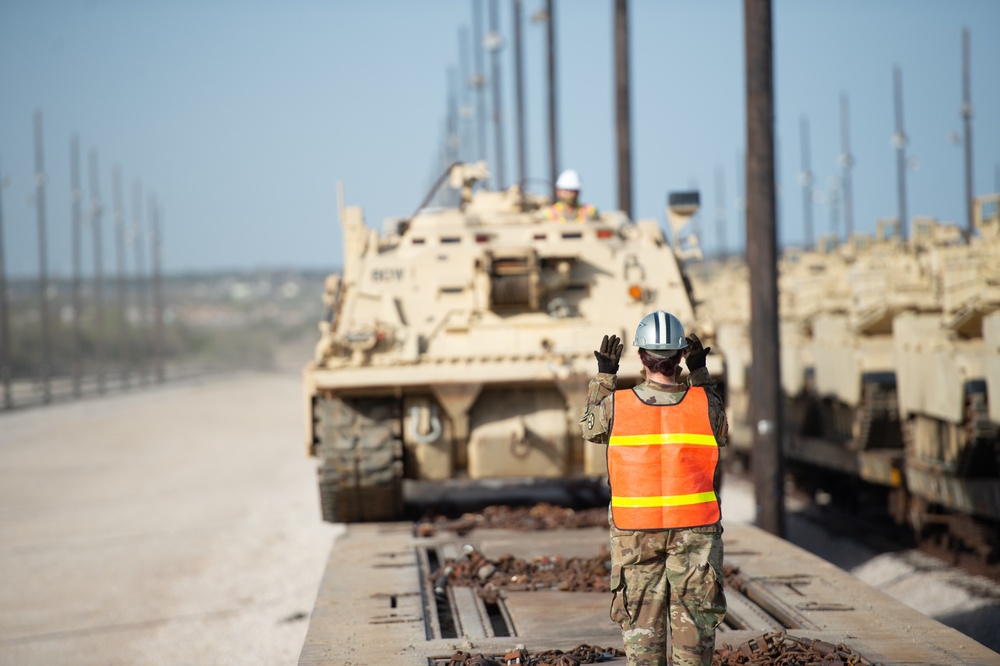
(661, 463)
(557, 211)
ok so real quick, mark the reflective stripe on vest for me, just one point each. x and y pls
(661, 463)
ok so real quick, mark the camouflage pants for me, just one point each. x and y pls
(659, 572)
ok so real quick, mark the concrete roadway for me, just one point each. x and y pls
(173, 525)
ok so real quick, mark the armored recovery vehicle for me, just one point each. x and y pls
(459, 343)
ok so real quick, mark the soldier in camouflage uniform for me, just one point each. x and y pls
(674, 572)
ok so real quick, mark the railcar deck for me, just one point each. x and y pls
(376, 604)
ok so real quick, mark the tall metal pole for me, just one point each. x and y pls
(550, 41)
(766, 407)
(519, 93)
(123, 337)
(967, 127)
(465, 112)
(76, 197)
(157, 247)
(43, 278)
(140, 277)
(623, 130)
(806, 178)
(95, 221)
(5, 369)
(834, 207)
(899, 141)
(495, 42)
(846, 164)
(479, 78)
(720, 211)
(454, 143)
(741, 204)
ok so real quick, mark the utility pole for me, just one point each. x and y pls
(846, 164)
(5, 369)
(623, 130)
(899, 141)
(806, 178)
(140, 277)
(95, 221)
(43, 278)
(123, 337)
(479, 78)
(550, 41)
(766, 407)
(157, 243)
(519, 95)
(494, 43)
(720, 211)
(76, 198)
(967, 127)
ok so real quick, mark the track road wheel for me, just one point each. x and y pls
(361, 466)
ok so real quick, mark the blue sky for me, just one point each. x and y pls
(241, 117)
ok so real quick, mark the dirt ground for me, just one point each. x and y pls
(167, 526)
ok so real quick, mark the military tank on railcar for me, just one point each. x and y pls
(459, 343)
(943, 361)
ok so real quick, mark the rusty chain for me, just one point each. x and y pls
(575, 574)
(542, 516)
(781, 649)
(581, 654)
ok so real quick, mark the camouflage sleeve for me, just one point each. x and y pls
(595, 421)
(716, 408)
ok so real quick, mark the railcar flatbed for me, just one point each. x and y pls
(376, 604)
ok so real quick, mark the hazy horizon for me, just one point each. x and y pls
(241, 119)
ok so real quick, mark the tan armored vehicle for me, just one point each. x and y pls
(459, 343)
(944, 359)
(722, 293)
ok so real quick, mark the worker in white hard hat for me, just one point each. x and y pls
(663, 438)
(567, 207)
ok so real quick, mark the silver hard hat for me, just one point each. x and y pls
(660, 331)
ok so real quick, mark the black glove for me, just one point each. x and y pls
(609, 354)
(694, 353)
